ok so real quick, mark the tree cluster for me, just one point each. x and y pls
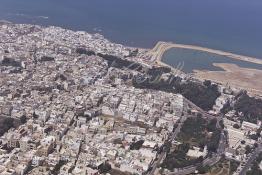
(250, 107)
(5, 124)
(10, 62)
(178, 159)
(136, 145)
(203, 95)
(85, 52)
(46, 58)
(255, 169)
(194, 131)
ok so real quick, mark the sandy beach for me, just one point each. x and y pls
(233, 75)
(161, 47)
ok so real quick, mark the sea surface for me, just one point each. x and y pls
(187, 60)
(229, 25)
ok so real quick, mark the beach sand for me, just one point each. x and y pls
(235, 76)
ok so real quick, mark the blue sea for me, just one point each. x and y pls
(188, 60)
(229, 25)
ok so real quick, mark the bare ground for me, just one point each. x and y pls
(235, 76)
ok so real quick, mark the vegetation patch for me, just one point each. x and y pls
(223, 167)
(247, 108)
(7, 123)
(178, 158)
(255, 170)
(203, 95)
(194, 132)
(199, 132)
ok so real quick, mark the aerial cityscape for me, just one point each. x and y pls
(73, 102)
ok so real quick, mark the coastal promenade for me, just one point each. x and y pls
(161, 47)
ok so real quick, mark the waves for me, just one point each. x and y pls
(27, 16)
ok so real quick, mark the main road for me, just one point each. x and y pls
(251, 159)
(209, 161)
(162, 156)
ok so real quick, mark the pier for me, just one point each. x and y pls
(161, 47)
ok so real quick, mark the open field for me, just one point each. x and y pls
(223, 167)
(235, 76)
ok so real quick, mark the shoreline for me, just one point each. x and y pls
(238, 77)
(161, 47)
(233, 75)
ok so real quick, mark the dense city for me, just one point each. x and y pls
(73, 103)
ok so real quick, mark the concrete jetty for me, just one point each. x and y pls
(161, 47)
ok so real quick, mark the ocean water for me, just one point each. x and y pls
(229, 25)
(187, 60)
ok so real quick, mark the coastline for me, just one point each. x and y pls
(232, 75)
(155, 54)
(235, 76)
(161, 47)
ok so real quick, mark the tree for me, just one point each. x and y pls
(46, 58)
(214, 141)
(243, 142)
(250, 107)
(248, 149)
(23, 119)
(6, 124)
(104, 168)
(212, 125)
(233, 166)
(254, 137)
(255, 170)
(255, 145)
(221, 123)
(207, 83)
(199, 94)
(136, 145)
(9, 122)
(199, 115)
(202, 169)
(175, 126)
(85, 52)
(236, 126)
(57, 167)
(184, 147)
(117, 141)
(10, 62)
